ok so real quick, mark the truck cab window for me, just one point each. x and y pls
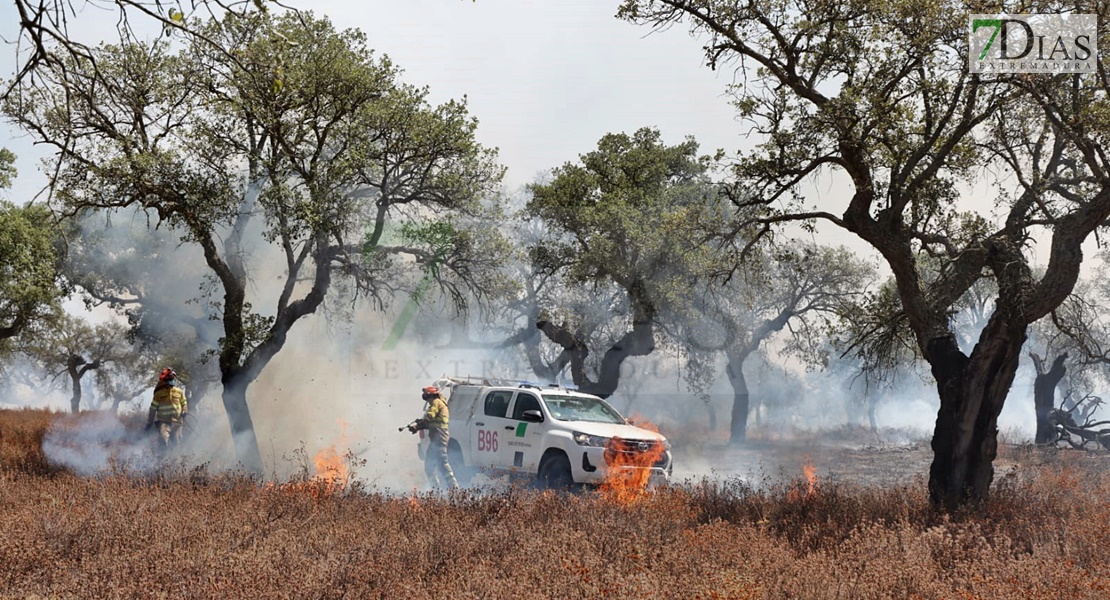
(497, 403)
(525, 402)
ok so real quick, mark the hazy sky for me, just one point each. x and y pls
(545, 79)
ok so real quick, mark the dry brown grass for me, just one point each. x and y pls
(21, 433)
(1044, 534)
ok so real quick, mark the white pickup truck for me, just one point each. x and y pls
(559, 436)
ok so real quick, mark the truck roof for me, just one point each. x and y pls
(496, 382)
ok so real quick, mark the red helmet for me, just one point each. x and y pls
(167, 374)
(429, 393)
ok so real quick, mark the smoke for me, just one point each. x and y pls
(96, 443)
(343, 384)
(336, 381)
(332, 382)
(18, 391)
(330, 377)
(325, 385)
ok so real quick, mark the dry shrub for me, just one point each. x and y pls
(21, 433)
(203, 535)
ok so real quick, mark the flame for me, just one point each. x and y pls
(331, 473)
(630, 469)
(330, 469)
(811, 483)
(811, 477)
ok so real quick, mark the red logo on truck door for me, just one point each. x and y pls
(487, 440)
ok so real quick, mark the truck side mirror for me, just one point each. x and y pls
(532, 416)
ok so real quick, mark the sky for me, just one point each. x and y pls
(545, 79)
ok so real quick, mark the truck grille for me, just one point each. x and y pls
(635, 453)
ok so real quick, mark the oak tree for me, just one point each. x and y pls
(273, 137)
(72, 348)
(624, 219)
(879, 96)
(803, 289)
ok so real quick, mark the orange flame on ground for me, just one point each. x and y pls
(330, 469)
(811, 477)
(629, 467)
(811, 483)
(331, 472)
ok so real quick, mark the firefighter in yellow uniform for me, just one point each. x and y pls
(435, 420)
(167, 410)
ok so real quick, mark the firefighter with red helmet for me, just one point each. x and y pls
(167, 409)
(435, 420)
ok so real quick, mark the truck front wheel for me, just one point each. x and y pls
(555, 472)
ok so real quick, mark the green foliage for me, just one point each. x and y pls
(875, 332)
(75, 337)
(630, 212)
(880, 95)
(70, 347)
(439, 236)
(30, 285)
(263, 137)
(281, 121)
(7, 168)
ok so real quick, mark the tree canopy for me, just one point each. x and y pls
(628, 215)
(31, 286)
(275, 138)
(73, 347)
(7, 168)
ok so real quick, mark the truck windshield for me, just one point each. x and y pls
(578, 408)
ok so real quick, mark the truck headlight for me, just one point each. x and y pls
(585, 439)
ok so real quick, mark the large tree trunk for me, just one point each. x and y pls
(242, 427)
(77, 366)
(738, 425)
(72, 364)
(75, 398)
(1044, 395)
(972, 391)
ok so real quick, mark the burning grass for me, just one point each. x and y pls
(630, 465)
(327, 474)
(1043, 535)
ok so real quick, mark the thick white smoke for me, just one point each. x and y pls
(349, 386)
(98, 443)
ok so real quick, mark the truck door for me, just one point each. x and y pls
(488, 430)
(524, 440)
